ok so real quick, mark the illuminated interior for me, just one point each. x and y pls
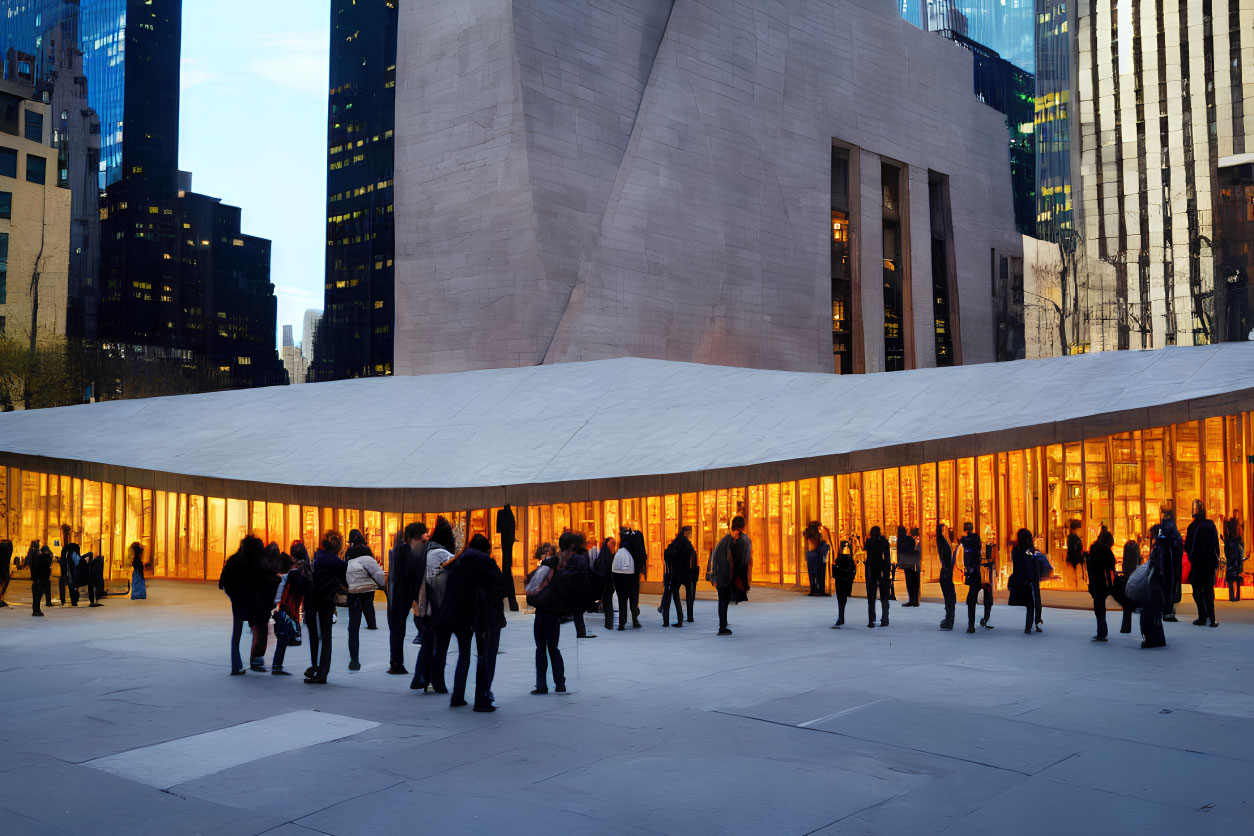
(1121, 481)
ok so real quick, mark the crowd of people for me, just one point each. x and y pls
(76, 571)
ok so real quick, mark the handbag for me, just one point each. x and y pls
(1020, 593)
(1136, 590)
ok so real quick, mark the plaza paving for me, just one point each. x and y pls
(787, 727)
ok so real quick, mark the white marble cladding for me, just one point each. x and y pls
(651, 178)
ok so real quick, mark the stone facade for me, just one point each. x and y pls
(651, 178)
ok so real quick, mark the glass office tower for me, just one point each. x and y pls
(1005, 26)
(355, 338)
(1053, 121)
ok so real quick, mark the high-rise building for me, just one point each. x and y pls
(34, 219)
(293, 358)
(357, 339)
(1052, 119)
(309, 334)
(1165, 124)
(1005, 26)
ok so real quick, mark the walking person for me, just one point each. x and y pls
(238, 581)
(910, 559)
(1101, 572)
(729, 570)
(678, 557)
(139, 590)
(329, 573)
(1234, 558)
(626, 586)
(6, 568)
(434, 625)
(39, 562)
(363, 577)
(876, 569)
(603, 577)
(408, 574)
(945, 553)
(1166, 553)
(972, 575)
(1201, 542)
(844, 570)
(818, 547)
(1024, 583)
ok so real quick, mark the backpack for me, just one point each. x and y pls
(624, 563)
(547, 591)
(539, 580)
(437, 592)
(844, 569)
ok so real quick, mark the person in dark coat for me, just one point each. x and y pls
(1075, 551)
(844, 571)
(289, 598)
(6, 568)
(730, 565)
(328, 579)
(603, 577)
(68, 565)
(1101, 572)
(1176, 593)
(547, 626)
(139, 589)
(1234, 557)
(492, 587)
(580, 578)
(39, 562)
(436, 622)
(1025, 575)
(405, 578)
(265, 584)
(910, 559)
(632, 540)
(945, 553)
(1201, 542)
(239, 581)
(1131, 560)
(817, 550)
(876, 568)
(507, 528)
(678, 558)
(1166, 553)
(972, 575)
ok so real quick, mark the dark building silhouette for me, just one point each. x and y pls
(355, 338)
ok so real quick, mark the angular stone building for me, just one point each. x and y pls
(802, 185)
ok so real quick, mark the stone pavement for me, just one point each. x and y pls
(787, 727)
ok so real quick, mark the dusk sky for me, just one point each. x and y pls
(253, 129)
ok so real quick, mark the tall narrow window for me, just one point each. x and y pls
(938, 200)
(894, 294)
(842, 276)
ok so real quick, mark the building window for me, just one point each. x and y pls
(842, 273)
(895, 319)
(6, 205)
(8, 162)
(36, 169)
(4, 267)
(35, 126)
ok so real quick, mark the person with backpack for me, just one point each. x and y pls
(678, 559)
(729, 570)
(551, 589)
(1201, 542)
(433, 614)
(844, 571)
(294, 584)
(577, 567)
(603, 578)
(238, 581)
(1101, 572)
(876, 571)
(1024, 578)
(1166, 552)
(470, 605)
(945, 553)
(973, 576)
(910, 559)
(1234, 557)
(363, 576)
(626, 583)
(39, 562)
(6, 568)
(1131, 560)
(328, 579)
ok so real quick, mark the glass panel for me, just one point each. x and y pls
(756, 518)
(196, 526)
(966, 494)
(670, 528)
(218, 537)
(927, 503)
(873, 500)
(119, 530)
(774, 533)
(653, 536)
(892, 503)
(988, 495)
(274, 525)
(372, 529)
(1216, 501)
(792, 560)
(609, 512)
(293, 528)
(50, 493)
(827, 493)
(392, 529)
(1125, 467)
(91, 518)
(1188, 468)
(850, 512)
(31, 524)
(309, 528)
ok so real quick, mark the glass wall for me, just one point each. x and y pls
(1122, 482)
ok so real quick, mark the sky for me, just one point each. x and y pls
(253, 129)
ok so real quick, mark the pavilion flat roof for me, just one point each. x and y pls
(630, 420)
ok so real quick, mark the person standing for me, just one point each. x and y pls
(436, 629)
(67, 564)
(1101, 572)
(293, 587)
(547, 625)
(238, 581)
(1024, 576)
(1234, 558)
(876, 569)
(1075, 551)
(603, 577)
(471, 578)
(6, 567)
(362, 576)
(972, 576)
(817, 550)
(139, 590)
(633, 540)
(408, 573)
(1131, 560)
(265, 583)
(1166, 553)
(626, 586)
(945, 553)
(910, 559)
(507, 528)
(844, 571)
(678, 557)
(730, 570)
(328, 579)
(1201, 542)
(86, 577)
(492, 587)
(1176, 592)
(39, 561)
(579, 573)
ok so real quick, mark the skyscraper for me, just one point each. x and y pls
(1005, 26)
(1054, 33)
(356, 337)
